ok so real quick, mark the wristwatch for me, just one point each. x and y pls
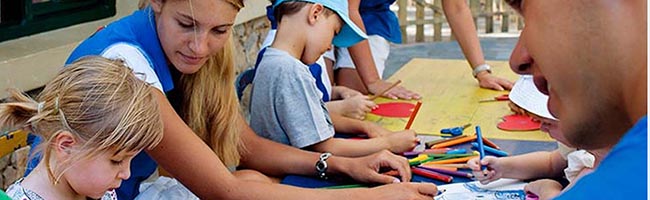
(321, 165)
(480, 68)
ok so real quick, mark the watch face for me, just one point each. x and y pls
(320, 166)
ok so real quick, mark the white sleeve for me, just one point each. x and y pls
(136, 60)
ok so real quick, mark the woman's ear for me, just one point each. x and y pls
(315, 11)
(63, 143)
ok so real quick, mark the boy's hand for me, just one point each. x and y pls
(489, 81)
(494, 169)
(366, 168)
(396, 92)
(544, 188)
(406, 191)
(402, 141)
(356, 107)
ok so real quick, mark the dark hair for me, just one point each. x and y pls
(293, 7)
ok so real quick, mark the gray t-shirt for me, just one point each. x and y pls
(285, 103)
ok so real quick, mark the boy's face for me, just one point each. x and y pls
(552, 127)
(320, 35)
(95, 176)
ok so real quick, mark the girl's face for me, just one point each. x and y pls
(191, 31)
(95, 176)
(319, 40)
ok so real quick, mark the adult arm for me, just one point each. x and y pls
(461, 22)
(365, 65)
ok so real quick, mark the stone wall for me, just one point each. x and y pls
(13, 166)
(247, 39)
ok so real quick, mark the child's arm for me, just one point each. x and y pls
(342, 92)
(365, 65)
(354, 107)
(351, 126)
(527, 166)
(396, 142)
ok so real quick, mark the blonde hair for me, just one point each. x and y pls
(210, 106)
(97, 100)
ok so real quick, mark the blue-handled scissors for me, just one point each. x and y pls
(455, 131)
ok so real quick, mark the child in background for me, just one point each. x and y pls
(574, 163)
(95, 116)
(286, 105)
(338, 99)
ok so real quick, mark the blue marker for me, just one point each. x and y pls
(481, 150)
(491, 150)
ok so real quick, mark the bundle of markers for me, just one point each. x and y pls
(440, 162)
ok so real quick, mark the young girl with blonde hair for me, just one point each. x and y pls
(94, 117)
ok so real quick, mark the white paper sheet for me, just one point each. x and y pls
(503, 189)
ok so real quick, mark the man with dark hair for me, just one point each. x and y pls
(590, 57)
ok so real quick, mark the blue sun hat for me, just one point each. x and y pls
(350, 33)
(525, 95)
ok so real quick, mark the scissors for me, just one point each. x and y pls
(503, 97)
(455, 131)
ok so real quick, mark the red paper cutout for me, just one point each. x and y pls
(518, 123)
(394, 109)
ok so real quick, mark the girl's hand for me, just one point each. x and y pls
(493, 172)
(544, 188)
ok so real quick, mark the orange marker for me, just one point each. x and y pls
(439, 167)
(490, 143)
(454, 142)
(413, 114)
(449, 161)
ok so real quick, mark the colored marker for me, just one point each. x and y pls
(432, 175)
(490, 143)
(463, 166)
(457, 151)
(413, 114)
(429, 144)
(454, 142)
(491, 150)
(481, 150)
(448, 172)
(385, 90)
(450, 161)
(345, 186)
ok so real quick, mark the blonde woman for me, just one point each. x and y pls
(95, 117)
(183, 48)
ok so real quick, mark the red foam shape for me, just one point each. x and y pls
(394, 109)
(518, 123)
